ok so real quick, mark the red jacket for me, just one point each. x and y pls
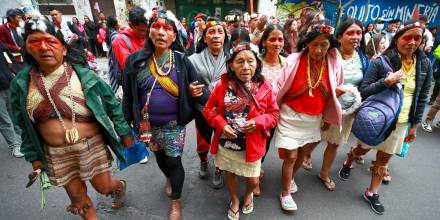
(121, 49)
(6, 38)
(265, 118)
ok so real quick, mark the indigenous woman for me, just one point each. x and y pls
(307, 93)
(157, 92)
(412, 68)
(376, 46)
(271, 48)
(291, 29)
(68, 116)
(354, 65)
(241, 108)
(209, 62)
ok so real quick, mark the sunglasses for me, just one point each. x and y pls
(49, 42)
(408, 38)
(352, 33)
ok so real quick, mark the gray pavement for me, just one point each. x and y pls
(413, 193)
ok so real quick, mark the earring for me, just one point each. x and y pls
(282, 51)
(263, 51)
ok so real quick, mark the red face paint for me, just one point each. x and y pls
(408, 38)
(48, 42)
(157, 25)
(351, 33)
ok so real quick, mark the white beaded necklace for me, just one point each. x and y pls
(72, 135)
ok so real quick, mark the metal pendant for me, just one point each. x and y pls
(72, 136)
(310, 92)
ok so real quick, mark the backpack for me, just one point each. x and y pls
(115, 71)
(377, 116)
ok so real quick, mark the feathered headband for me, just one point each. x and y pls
(149, 15)
(406, 27)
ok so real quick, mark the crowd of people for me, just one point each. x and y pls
(249, 81)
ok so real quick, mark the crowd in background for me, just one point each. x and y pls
(249, 81)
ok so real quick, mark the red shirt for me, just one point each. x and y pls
(311, 105)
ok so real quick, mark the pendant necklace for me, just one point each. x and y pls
(309, 78)
(72, 135)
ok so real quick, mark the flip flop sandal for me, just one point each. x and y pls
(330, 184)
(233, 215)
(249, 208)
(307, 165)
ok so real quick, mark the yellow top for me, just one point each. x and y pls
(409, 82)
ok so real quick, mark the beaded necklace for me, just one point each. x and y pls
(309, 78)
(72, 134)
(159, 70)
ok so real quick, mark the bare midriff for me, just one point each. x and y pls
(54, 134)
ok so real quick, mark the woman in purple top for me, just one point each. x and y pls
(159, 80)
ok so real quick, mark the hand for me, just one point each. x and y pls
(229, 132)
(261, 23)
(249, 126)
(73, 38)
(195, 89)
(412, 133)
(127, 141)
(341, 90)
(325, 126)
(37, 164)
(393, 78)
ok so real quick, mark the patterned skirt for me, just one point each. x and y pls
(169, 137)
(84, 160)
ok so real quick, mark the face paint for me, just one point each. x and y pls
(49, 42)
(161, 24)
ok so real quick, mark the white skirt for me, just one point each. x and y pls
(393, 144)
(333, 136)
(296, 129)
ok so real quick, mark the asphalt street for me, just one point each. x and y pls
(413, 193)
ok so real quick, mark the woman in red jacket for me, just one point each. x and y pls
(242, 109)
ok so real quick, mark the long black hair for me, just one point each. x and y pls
(308, 36)
(42, 25)
(240, 33)
(345, 25)
(258, 77)
(175, 46)
(201, 45)
(269, 28)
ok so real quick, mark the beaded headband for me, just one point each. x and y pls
(212, 24)
(411, 26)
(242, 46)
(321, 28)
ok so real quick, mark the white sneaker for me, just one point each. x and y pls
(144, 161)
(16, 152)
(287, 203)
(426, 125)
(293, 187)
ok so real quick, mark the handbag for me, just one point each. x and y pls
(133, 154)
(377, 116)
